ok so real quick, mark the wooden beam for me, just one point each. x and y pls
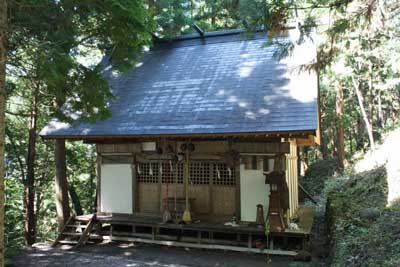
(251, 147)
(308, 195)
(309, 141)
(61, 233)
(201, 246)
(86, 233)
(183, 137)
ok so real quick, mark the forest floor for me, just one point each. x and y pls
(138, 255)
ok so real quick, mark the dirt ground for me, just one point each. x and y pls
(140, 255)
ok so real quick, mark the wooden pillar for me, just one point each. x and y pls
(250, 241)
(61, 183)
(210, 189)
(186, 214)
(236, 172)
(98, 185)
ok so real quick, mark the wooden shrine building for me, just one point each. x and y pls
(196, 128)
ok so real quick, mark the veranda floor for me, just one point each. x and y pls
(205, 234)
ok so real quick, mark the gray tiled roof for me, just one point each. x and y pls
(222, 84)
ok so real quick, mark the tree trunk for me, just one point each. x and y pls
(333, 141)
(61, 183)
(339, 127)
(30, 220)
(3, 31)
(371, 95)
(359, 134)
(351, 135)
(380, 111)
(367, 123)
(324, 146)
(304, 161)
(75, 200)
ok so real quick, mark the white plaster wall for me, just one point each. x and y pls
(253, 191)
(116, 188)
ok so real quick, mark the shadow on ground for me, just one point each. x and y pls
(129, 255)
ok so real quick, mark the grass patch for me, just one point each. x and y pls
(363, 231)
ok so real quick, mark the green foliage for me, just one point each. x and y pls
(173, 17)
(82, 173)
(14, 227)
(81, 164)
(50, 74)
(359, 43)
(300, 264)
(50, 40)
(356, 239)
(317, 173)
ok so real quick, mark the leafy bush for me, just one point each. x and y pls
(317, 174)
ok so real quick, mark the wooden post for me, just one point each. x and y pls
(61, 184)
(236, 170)
(159, 187)
(98, 186)
(186, 214)
(153, 233)
(278, 163)
(210, 189)
(249, 241)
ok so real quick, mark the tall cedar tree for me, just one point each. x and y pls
(62, 32)
(3, 31)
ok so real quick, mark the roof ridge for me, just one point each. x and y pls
(208, 39)
(195, 35)
(218, 33)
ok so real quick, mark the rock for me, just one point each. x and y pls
(369, 214)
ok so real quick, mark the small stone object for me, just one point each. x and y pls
(293, 226)
(260, 215)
